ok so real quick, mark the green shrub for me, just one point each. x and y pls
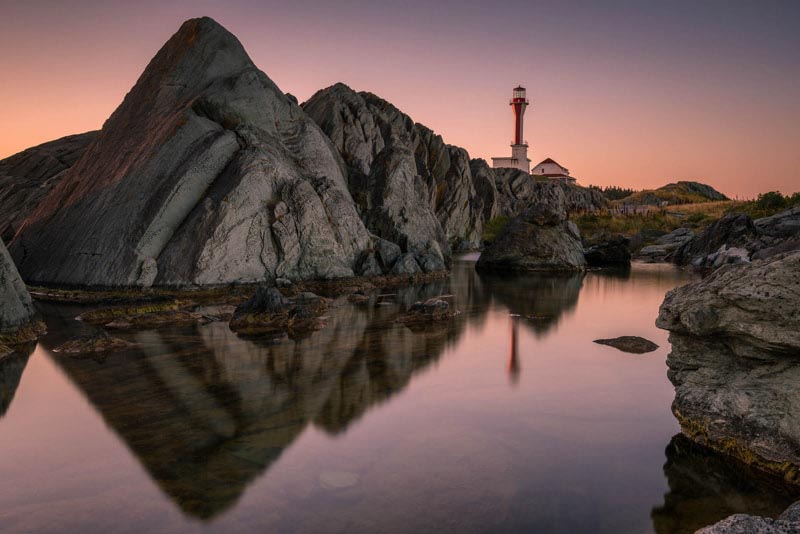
(493, 227)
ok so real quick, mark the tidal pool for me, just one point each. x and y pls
(508, 419)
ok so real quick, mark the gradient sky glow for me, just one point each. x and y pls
(628, 93)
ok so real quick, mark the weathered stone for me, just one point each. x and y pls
(27, 177)
(268, 312)
(732, 230)
(423, 313)
(632, 344)
(386, 252)
(787, 523)
(735, 339)
(537, 240)
(206, 174)
(16, 307)
(406, 264)
(101, 342)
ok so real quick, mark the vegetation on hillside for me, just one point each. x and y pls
(766, 204)
(675, 194)
(612, 192)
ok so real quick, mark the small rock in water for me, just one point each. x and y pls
(633, 344)
(101, 342)
(424, 313)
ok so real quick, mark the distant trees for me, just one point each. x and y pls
(612, 192)
(774, 200)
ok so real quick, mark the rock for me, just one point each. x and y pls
(369, 265)
(756, 303)
(726, 256)
(676, 237)
(27, 177)
(427, 312)
(205, 174)
(614, 251)
(101, 342)
(665, 246)
(788, 522)
(386, 252)
(400, 173)
(17, 306)
(268, 312)
(732, 230)
(406, 264)
(537, 240)
(632, 344)
(735, 337)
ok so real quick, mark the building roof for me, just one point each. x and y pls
(548, 160)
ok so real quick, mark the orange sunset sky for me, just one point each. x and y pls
(634, 94)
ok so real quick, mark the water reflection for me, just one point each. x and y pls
(705, 487)
(11, 368)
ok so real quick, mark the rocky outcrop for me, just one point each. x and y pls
(540, 239)
(27, 177)
(16, 307)
(665, 246)
(518, 190)
(736, 238)
(429, 183)
(788, 522)
(735, 340)
(425, 313)
(207, 173)
(268, 312)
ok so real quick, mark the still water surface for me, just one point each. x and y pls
(509, 419)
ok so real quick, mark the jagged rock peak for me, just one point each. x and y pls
(207, 173)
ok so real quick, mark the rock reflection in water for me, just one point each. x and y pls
(206, 411)
(11, 368)
(540, 300)
(705, 487)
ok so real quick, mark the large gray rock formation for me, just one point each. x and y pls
(518, 190)
(540, 239)
(734, 363)
(736, 238)
(423, 173)
(16, 307)
(206, 174)
(787, 523)
(27, 177)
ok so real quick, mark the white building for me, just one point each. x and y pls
(552, 170)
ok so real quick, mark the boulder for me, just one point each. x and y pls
(406, 264)
(268, 312)
(537, 240)
(611, 252)
(664, 247)
(735, 337)
(206, 174)
(425, 313)
(788, 522)
(27, 177)
(732, 230)
(16, 307)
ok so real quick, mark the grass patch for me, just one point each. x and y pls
(493, 227)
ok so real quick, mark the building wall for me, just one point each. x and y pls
(518, 160)
(549, 168)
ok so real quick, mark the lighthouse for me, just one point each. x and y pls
(519, 148)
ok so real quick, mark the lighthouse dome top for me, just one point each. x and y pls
(519, 92)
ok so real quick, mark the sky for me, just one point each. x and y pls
(629, 93)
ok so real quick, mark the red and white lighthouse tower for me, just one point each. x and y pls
(519, 148)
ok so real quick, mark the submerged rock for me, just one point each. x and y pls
(205, 174)
(426, 312)
(100, 342)
(788, 522)
(632, 344)
(538, 240)
(268, 312)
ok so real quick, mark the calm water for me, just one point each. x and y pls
(494, 423)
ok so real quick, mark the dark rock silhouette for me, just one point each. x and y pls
(16, 307)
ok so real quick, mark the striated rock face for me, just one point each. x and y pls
(788, 522)
(16, 307)
(736, 239)
(206, 174)
(540, 239)
(734, 362)
(518, 190)
(382, 146)
(26, 178)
